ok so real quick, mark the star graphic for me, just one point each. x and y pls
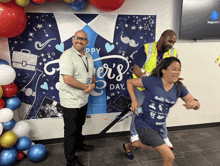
(31, 34)
(39, 26)
(133, 27)
(140, 27)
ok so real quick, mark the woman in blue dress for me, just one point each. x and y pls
(163, 88)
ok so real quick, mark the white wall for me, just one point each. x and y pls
(199, 70)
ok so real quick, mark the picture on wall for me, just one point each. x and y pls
(113, 39)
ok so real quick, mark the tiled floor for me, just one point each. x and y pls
(194, 147)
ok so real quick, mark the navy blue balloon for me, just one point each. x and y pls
(13, 103)
(36, 153)
(3, 62)
(8, 125)
(78, 4)
(8, 156)
(23, 143)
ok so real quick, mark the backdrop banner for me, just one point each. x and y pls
(113, 39)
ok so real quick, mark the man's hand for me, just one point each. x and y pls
(90, 88)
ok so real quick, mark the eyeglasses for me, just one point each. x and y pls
(80, 38)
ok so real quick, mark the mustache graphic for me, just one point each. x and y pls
(131, 42)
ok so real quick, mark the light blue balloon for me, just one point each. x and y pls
(8, 125)
(3, 62)
(13, 103)
(23, 143)
(36, 153)
(8, 156)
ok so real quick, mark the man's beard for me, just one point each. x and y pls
(166, 48)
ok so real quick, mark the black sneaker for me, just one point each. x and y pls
(84, 147)
(76, 162)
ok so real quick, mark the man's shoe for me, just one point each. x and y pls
(75, 163)
(168, 143)
(85, 147)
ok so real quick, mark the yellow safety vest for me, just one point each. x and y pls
(151, 60)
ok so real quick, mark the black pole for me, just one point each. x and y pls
(126, 110)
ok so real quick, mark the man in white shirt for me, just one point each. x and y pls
(77, 80)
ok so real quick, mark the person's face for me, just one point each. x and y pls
(80, 41)
(171, 74)
(168, 42)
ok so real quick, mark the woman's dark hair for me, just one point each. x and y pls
(164, 64)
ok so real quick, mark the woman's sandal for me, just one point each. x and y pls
(128, 154)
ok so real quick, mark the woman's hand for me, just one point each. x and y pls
(192, 104)
(134, 107)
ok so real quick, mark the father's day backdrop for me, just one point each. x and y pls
(113, 39)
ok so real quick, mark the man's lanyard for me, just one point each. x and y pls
(87, 69)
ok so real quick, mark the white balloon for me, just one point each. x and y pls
(7, 74)
(6, 114)
(1, 128)
(21, 128)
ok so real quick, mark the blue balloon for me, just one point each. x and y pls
(78, 4)
(23, 143)
(13, 103)
(36, 153)
(8, 125)
(3, 62)
(8, 156)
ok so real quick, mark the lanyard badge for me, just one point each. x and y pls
(87, 69)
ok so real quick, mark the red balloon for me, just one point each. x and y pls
(9, 90)
(38, 1)
(0, 146)
(107, 5)
(2, 103)
(20, 155)
(13, 19)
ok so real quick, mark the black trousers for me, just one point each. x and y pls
(74, 119)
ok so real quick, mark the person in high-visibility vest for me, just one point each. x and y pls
(145, 60)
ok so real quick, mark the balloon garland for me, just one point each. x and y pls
(14, 143)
